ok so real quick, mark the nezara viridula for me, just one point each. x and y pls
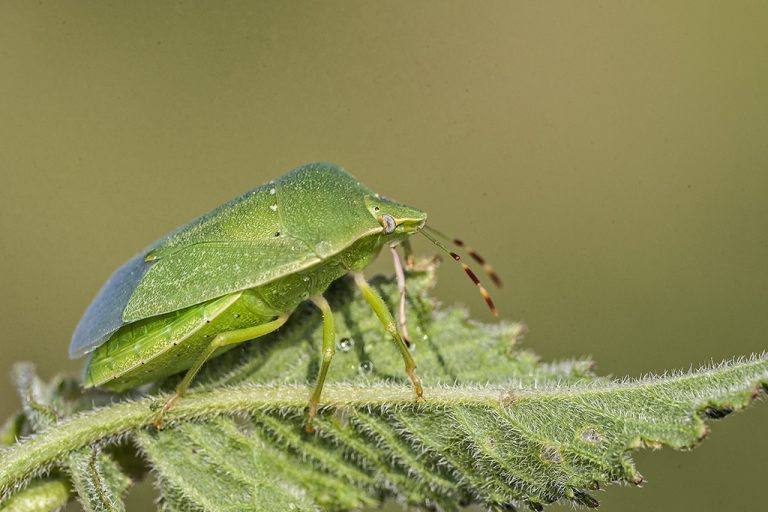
(237, 272)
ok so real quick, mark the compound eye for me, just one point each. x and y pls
(389, 224)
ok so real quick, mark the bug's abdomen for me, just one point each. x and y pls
(150, 349)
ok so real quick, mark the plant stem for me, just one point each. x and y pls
(712, 392)
(22, 460)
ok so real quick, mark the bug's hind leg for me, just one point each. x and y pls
(329, 348)
(382, 311)
(221, 339)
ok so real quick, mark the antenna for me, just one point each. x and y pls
(468, 270)
(472, 252)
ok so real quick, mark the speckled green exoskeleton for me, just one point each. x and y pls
(236, 274)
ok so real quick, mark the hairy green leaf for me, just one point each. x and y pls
(498, 428)
(213, 467)
(97, 480)
(44, 495)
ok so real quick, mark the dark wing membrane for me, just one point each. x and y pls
(104, 315)
(248, 216)
(207, 270)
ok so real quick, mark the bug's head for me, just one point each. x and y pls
(398, 220)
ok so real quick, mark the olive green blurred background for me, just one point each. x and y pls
(611, 160)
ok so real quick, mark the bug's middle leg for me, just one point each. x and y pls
(382, 311)
(329, 348)
(221, 339)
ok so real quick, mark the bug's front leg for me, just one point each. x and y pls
(382, 311)
(410, 261)
(221, 339)
(400, 275)
(329, 348)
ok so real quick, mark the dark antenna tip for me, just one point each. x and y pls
(483, 291)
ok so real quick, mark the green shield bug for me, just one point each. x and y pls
(237, 273)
